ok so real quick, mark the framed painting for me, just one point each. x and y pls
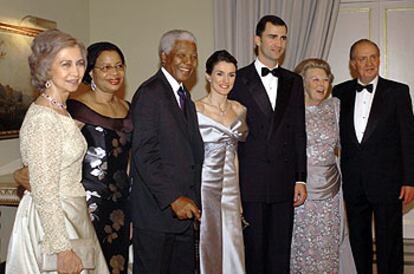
(16, 91)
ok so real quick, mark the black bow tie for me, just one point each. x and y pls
(369, 88)
(275, 72)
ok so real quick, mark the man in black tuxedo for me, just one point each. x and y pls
(377, 159)
(167, 156)
(273, 159)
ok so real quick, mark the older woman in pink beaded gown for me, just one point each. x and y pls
(320, 243)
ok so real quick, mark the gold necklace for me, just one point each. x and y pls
(223, 110)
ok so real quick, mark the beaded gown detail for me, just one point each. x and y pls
(55, 210)
(221, 237)
(318, 241)
(105, 180)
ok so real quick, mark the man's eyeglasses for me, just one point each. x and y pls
(107, 68)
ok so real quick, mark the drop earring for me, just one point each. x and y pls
(48, 84)
(93, 85)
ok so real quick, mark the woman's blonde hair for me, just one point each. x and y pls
(45, 47)
(311, 63)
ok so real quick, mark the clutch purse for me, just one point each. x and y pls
(84, 248)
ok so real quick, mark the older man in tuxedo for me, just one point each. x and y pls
(167, 155)
(273, 159)
(377, 139)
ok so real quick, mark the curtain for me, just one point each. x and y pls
(311, 26)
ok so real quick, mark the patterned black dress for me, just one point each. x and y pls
(105, 179)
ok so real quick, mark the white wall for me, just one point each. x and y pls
(71, 16)
(136, 27)
(386, 22)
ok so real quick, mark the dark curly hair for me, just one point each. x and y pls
(94, 51)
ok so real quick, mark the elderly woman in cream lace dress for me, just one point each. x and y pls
(52, 147)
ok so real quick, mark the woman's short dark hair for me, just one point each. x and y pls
(45, 48)
(219, 56)
(94, 51)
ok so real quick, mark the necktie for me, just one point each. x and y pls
(360, 87)
(275, 72)
(183, 97)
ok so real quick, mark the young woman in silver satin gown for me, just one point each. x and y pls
(222, 125)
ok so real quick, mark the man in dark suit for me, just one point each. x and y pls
(167, 155)
(377, 159)
(273, 159)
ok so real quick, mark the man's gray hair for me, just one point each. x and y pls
(169, 38)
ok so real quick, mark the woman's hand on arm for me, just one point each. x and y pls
(21, 177)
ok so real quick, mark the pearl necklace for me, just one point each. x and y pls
(53, 101)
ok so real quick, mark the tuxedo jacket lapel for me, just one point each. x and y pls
(376, 109)
(284, 86)
(190, 114)
(348, 106)
(258, 91)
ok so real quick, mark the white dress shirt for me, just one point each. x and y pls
(363, 103)
(269, 81)
(173, 83)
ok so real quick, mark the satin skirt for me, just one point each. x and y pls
(221, 236)
(24, 249)
(320, 234)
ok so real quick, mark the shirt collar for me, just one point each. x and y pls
(171, 80)
(374, 83)
(259, 65)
